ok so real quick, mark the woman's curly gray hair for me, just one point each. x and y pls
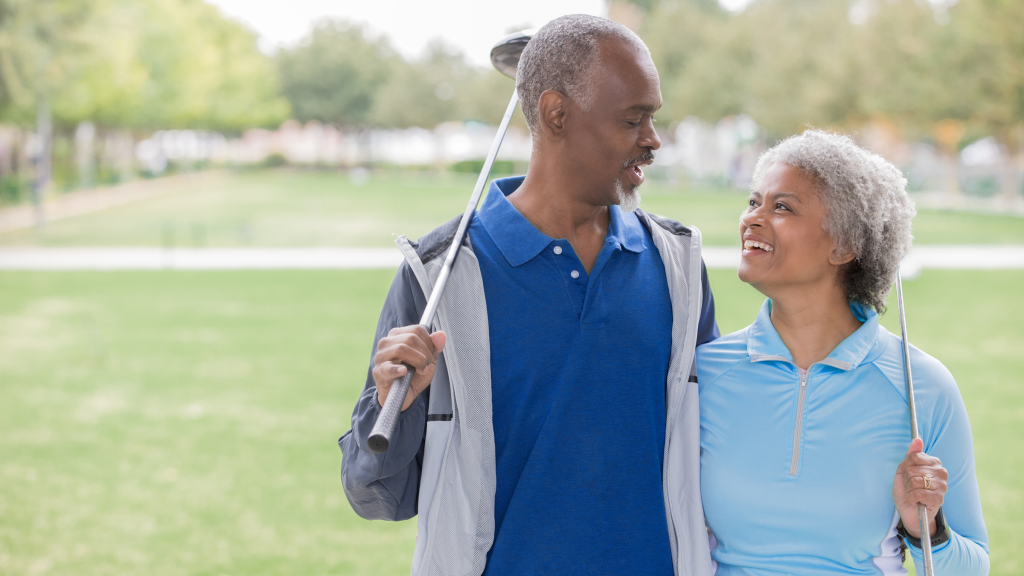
(867, 209)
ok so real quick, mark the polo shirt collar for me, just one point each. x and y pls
(519, 241)
(764, 342)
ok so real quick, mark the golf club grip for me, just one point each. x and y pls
(926, 540)
(380, 436)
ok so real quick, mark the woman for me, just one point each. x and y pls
(806, 461)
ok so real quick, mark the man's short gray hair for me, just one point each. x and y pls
(559, 56)
(867, 209)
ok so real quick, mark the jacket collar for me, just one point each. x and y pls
(519, 241)
(764, 342)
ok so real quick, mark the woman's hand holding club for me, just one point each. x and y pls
(920, 479)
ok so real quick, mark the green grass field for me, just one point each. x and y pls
(184, 423)
(292, 208)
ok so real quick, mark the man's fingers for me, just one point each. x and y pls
(386, 373)
(403, 352)
(407, 333)
(438, 339)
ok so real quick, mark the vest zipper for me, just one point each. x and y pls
(795, 462)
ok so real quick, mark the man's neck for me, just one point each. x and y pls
(813, 322)
(557, 205)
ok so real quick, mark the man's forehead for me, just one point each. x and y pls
(645, 108)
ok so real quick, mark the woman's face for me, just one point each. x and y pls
(784, 241)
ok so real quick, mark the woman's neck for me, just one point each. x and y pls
(813, 325)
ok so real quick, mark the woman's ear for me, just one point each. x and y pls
(840, 256)
(551, 113)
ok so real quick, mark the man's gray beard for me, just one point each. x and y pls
(628, 201)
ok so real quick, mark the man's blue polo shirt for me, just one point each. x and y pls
(578, 369)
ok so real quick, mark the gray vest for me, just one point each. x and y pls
(457, 482)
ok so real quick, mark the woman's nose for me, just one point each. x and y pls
(751, 218)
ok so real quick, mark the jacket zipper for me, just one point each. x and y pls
(795, 462)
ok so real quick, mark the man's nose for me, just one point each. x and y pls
(650, 139)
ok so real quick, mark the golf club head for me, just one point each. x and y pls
(505, 54)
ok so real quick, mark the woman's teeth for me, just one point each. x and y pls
(750, 244)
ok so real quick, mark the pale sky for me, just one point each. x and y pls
(472, 26)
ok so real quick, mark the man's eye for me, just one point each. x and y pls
(633, 124)
(781, 206)
(751, 203)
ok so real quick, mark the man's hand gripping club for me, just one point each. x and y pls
(408, 346)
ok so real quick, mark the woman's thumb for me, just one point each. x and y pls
(916, 446)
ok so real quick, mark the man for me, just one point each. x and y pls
(558, 432)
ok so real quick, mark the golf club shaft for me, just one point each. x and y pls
(380, 436)
(922, 511)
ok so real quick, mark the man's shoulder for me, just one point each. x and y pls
(669, 225)
(437, 241)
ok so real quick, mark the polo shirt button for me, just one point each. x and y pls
(558, 250)
(574, 274)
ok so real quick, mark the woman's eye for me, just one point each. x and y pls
(751, 203)
(781, 206)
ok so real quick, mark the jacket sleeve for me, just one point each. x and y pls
(386, 486)
(947, 434)
(707, 327)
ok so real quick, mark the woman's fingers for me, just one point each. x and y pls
(927, 490)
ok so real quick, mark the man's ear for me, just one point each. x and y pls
(840, 256)
(551, 114)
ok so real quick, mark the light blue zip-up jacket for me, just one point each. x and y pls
(797, 470)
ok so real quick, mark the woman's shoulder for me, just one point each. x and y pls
(729, 344)
(929, 373)
(718, 356)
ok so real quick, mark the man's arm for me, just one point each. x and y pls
(707, 327)
(386, 486)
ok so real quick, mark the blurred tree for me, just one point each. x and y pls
(484, 97)
(201, 70)
(335, 74)
(135, 64)
(423, 92)
(802, 69)
(36, 39)
(701, 57)
(786, 63)
(992, 31)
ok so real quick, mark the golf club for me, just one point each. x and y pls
(922, 511)
(505, 57)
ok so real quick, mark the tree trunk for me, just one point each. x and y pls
(1012, 143)
(44, 131)
(951, 176)
(1010, 181)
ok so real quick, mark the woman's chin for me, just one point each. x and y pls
(747, 273)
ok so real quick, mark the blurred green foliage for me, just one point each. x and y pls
(340, 74)
(134, 64)
(839, 63)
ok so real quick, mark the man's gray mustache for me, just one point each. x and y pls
(646, 157)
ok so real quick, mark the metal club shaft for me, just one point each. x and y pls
(922, 511)
(384, 428)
